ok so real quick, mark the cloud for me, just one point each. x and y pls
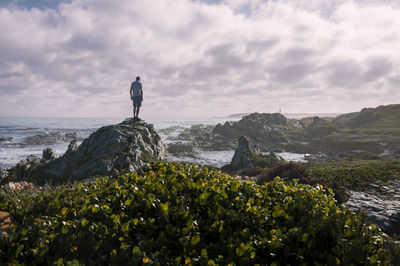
(198, 58)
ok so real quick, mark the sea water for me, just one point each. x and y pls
(20, 128)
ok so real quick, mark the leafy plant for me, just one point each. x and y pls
(186, 214)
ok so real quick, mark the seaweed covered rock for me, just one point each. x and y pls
(114, 149)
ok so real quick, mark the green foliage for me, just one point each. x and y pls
(186, 214)
(355, 176)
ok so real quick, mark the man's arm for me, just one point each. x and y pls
(130, 91)
(141, 92)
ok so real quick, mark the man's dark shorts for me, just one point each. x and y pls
(137, 101)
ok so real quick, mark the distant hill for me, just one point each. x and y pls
(372, 132)
(292, 115)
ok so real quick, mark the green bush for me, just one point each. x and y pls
(186, 214)
(357, 176)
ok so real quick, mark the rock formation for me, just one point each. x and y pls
(241, 158)
(49, 154)
(266, 129)
(45, 139)
(114, 149)
(383, 212)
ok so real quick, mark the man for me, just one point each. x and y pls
(137, 97)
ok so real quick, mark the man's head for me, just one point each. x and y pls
(137, 78)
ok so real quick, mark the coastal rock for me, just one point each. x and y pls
(3, 173)
(25, 167)
(47, 139)
(6, 139)
(265, 129)
(49, 154)
(180, 149)
(241, 158)
(114, 149)
(383, 212)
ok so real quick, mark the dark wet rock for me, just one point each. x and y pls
(180, 149)
(6, 139)
(71, 136)
(72, 147)
(170, 130)
(202, 137)
(25, 167)
(49, 154)
(241, 158)
(195, 132)
(47, 139)
(265, 129)
(248, 162)
(114, 149)
(383, 212)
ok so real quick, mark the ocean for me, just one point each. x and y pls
(21, 137)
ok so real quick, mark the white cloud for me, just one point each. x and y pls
(199, 59)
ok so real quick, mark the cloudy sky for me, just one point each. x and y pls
(197, 58)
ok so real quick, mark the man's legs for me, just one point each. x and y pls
(137, 112)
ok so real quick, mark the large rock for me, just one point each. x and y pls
(49, 154)
(3, 173)
(180, 149)
(241, 158)
(263, 129)
(46, 139)
(114, 149)
(25, 167)
(383, 212)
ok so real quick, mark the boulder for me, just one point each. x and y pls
(49, 154)
(3, 173)
(25, 167)
(115, 149)
(180, 149)
(383, 212)
(241, 158)
(47, 139)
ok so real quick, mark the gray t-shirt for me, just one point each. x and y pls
(135, 87)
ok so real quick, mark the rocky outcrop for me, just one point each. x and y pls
(241, 158)
(46, 139)
(265, 129)
(49, 154)
(382, 205)
(25, 167)
(384, 213)
(180, 149)
(3, 173)
(114, 149)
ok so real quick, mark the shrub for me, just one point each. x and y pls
(288, 171)
(186, 214)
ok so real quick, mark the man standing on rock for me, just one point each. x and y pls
(136, 96)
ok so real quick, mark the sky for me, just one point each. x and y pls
(197, 58)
